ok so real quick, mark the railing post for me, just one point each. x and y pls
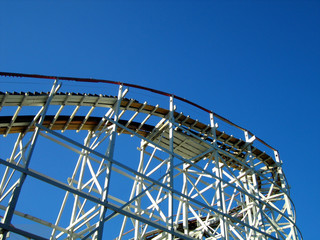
(287, 203)
(219, 186)
(257, 220)
(109, 153)
(170, 168)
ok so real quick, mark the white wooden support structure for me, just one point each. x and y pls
(135, 170)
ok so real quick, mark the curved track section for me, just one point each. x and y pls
(82, 166)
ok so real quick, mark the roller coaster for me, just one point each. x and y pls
(96, 166)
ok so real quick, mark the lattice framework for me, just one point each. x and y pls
(191, 180)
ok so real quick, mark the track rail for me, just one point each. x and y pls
(94, 80)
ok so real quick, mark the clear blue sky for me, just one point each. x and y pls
(254, 62)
